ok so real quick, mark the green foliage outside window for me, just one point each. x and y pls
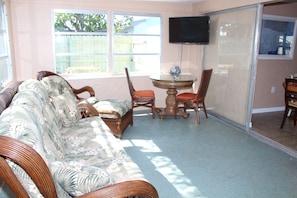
(76, 22)
(82, 43)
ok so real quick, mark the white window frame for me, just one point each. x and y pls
(139, 34)
(277, 19)
(110, 52)
(81, 33)
(5, 78)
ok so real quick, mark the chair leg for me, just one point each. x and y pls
(295, 116)
(284, 117)
(197, 113)
(204, 109)
(153, 109)
(185, 107)
(153, 113)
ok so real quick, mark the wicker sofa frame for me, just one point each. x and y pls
(117, 125)
(30, 160)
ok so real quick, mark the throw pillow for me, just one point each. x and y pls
(66, 108)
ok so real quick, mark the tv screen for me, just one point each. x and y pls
(189, 29)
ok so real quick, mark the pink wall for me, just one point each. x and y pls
(32, 39)
(271, 73)
(208, 6)
(31, 25)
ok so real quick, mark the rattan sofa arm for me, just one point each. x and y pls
(88, 89)
(125, 189)
(27, 158)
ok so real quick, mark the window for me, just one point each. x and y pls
(136, 43)
(277, 37)
(84, 43)
(81, 42)
(5, 63)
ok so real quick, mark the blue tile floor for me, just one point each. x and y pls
(210, 160)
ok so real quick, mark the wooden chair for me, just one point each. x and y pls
(195, 100)
(116, 122)
(139, 98)
(33, 164)
(290, 100)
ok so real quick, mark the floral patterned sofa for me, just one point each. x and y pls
(116, 113)
(79, 156)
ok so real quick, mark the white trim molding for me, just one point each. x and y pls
(267, 110)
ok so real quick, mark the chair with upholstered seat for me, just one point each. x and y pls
(117, 114)
(290, 100)
(195, 100)
(145, 98)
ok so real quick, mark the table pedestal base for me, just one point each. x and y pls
(172, 84)
(170, 106)
(164, 112)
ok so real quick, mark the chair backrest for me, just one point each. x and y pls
(204, 82)
(131, 88)
(27, 158)
(290, 90)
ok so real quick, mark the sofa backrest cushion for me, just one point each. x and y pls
(66, 108)
(33, 94)
(48, 130)
(38, 89)
(35, 86)
(56, 85)
(63, 99)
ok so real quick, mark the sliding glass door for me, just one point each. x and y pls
(231, 54)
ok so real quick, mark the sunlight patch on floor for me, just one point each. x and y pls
(147, 146)
(166, 167)
(176, 177)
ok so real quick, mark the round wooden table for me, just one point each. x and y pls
(172, 84)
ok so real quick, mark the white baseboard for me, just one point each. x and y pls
(267, 110)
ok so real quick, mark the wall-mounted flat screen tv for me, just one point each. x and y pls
(192, 30)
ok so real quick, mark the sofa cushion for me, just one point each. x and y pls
(91, 143)
(30, 186)
(66, 108)
(77, 179)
